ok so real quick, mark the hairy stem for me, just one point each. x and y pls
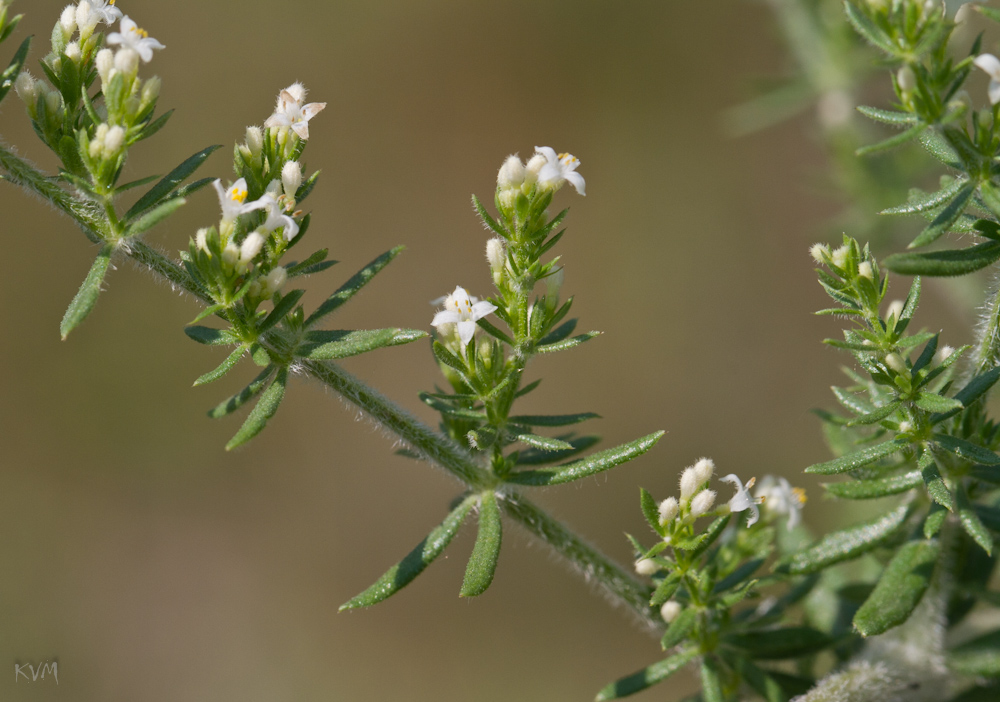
(988, 348)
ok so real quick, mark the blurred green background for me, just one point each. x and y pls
(154, 566)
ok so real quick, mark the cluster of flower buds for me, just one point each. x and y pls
(545, 171)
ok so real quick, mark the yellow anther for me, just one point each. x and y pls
(750, 483)
(800, 494)
(238, 195)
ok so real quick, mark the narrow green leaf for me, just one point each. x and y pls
(910, 306)
(265, 408)
(931, 402)
(976, 388)
(281, 309)
(876, 416)
(900, 588)
(223, 368)
(846, 544)
(940, 149)
(936, 487)
(494, 332)
(872, 489)
(339, 343)
(665, 589)
(452, 410)
(86, 297)
(679, 628)
(153, 126)
(650, 510)
(711, 680)
(893, 141)
(12, 71)
(538, 457)
(868, 30)
(967, 450)
(979, 657)
(568, 343)
(544, 443)
(935, 520)
(945, 219)
(947, 263)
(168, 183)
(259, 355)
(207, 312)
(135, 183)
(403, 573)
(697, 545)
(559, 333)
(887, 116)
(351, 288)
(487, 218)
(760, 680)
(860, 459)
(553, 420)
(923, 203)
(590, 465)
(647, 677)
(154, 216)
(483, 562)
(251, 391)
(778, 644)
(294, 269)
(211, 336)
(973, 525)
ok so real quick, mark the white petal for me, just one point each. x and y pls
(466, 330)
(219, 189)
(481, 309)
(994, 91)
(548, 152)
(291, 228)
(312, 109)
(439, 300)
(754, 515)
(550, 174)
(990, 64)
(576, 180)
(115, 38)
(128, 25)
(445, 317)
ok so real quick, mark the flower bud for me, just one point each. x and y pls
(839, 256)
(67, 20)
(905, 427)
(27, 89)
(151, 90)
(114, 141)
(105, 61)
(865, 270)
(906, 79)
(670, 610)
(250, 247)
(255, 141)
(943, 354)
(201, 239)
(508, 200)
(896, 363)
(703, 470)
(276, 280)
(669, 509)
(127, 61)
(819, 252)
(231, 254)
(511, 173)
(702, 502)
(964, 13)
(689, 483)
(531, 170)
(72, 52)
(291, 178)
(894, 310)
(646, 566)
(85, 20)
(496, 255)
(53, 104)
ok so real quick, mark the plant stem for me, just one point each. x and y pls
(620, 585)
(988, 349)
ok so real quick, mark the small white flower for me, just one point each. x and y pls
(990, 64)
(463, 310)
(670, 610)
(27, 88)
(276, 217)
(135, 38)
(72, 52)
(114, 141)
(558, 169)
(702, 502)
(646, 566)
(496, 256)
(290, 112)
(943, 353)
(233, 200)
(532, 169)
(780, 498)
(201, 239)
(691, 482)
(669, 509)
(90, 12)
(742, 500)
(511, 173)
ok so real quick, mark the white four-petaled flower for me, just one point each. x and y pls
(558, 169)
(135, 38)
(781, 498)
(742, 500)
(233, 200)
(276, 216)
(291, 112)
(463, 310)
(991, 64)
(89, 13)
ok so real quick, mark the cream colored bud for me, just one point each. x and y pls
(702, 502)
(496, 255)
(255, 141)
(689, 483)
(906, 79)
(251, 246)
(894, 310)
(53, 103)
(151, 90)
(905, 427)
(943, 354)
(646, 566)
(964, 13)
(85, 20)
(67, 20)
(865, 270)
(95, 149)
(276, 279)
(231, 254)
(531, 170)
(291, 178)
(896, 363)
(511, 173)
(105, 61)
(703, 470)
(27, 88)
(670, 610)
(127, 61)
(839, 256)
(114, 141)
(669, 509)
(819, 252)
(72, 52)
(201, 239)
(508, 199)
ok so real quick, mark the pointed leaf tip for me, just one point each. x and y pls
(86, 297)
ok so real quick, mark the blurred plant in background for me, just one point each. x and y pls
(738, 589)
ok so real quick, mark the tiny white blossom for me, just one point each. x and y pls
(532, 169)
(559, 169)
(91, 12)
(670, 610)
(779, 497)
(990, 64)
(742, 500)
(233, 200)
(114, 141)
(669, 509)
(255, 141)
(27, 88)
(201, 239)
(702, 502)
(127, 61)
(272, 204)
(291, 112)
(646, 566)
(463, 310)
(943, 353)
(135, 38)
(275, 281)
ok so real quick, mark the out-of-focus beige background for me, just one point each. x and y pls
(154, 566)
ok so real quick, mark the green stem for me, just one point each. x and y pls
(620, 585)
(988, 349)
